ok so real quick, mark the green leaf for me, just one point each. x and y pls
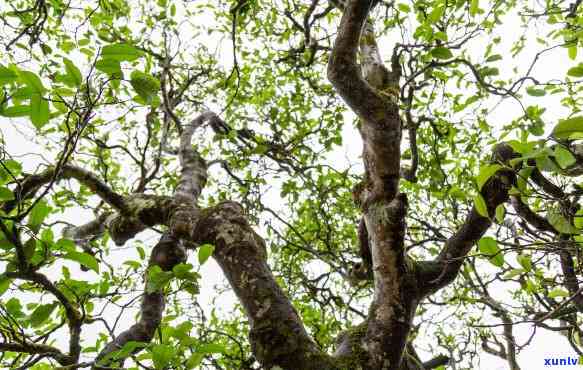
(39, 110)
(5, 194)
(38, 214)
(572, 52)
(41, 314)
(489, 247)
(162, 354)
(110, 67)
(500, 213)
(525, 261)
(522, 178)
(578, 219)
(564, 157)
(7, 75)
(545, 163)
(32, 80)
(493, 58)
(183, 271)
(145, 85)
(194, 360)
(157, 279)
(16, 111)
(481, 206)
(403, 7)
(211, 348)
(474, 6)
(28, 248)
(558, 292)
(513, 273)
(4, 284)
(121, 52)
(73, 72)
(565, 128)
(575, 71)
(559, 222)
(204, 252)
(125, 351)
(84, 259)
(489, 71)
(441, 53)
(486, 172)
(532, 91)
(436, 13)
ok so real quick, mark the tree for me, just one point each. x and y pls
(155, 130)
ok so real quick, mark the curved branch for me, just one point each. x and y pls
(74, 318)
(434, 275)
(277, 335)
(28, 187)
(166, 254)
(38, 349)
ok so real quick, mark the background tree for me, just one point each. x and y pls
(211, 129)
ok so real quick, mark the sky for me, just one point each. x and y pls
(17, 135)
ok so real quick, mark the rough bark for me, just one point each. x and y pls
(277, 335)
(366, 90)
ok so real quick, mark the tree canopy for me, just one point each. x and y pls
(380, 184)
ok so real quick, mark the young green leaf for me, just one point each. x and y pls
(567, 127)
(525, 261)
(6, 194)
(194, 360)
(533, 91)
(32, 80)
(110, 67)
(121, 52)
(84, 259)
(486, 172)
(162, 354)
(39, 110)
(204, 252)
(4, 284)
(489, 247)
(564, 157)
(441, 53)
(38, 214)
(481, 206)
(145, 85)
(500, 213)
(572, 52)
(474, 6)
(559, 222)
(16, 111)
(41, 314)
(73, 72)
(558, 292)
(157, 279)
(7, 75)
(575, 71)
(522, 178)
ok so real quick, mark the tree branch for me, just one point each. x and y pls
(434, 275)
(381, 125)
(28, 187)
(74, 319)
(166, 254)
(37, 349)
(277, 335)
